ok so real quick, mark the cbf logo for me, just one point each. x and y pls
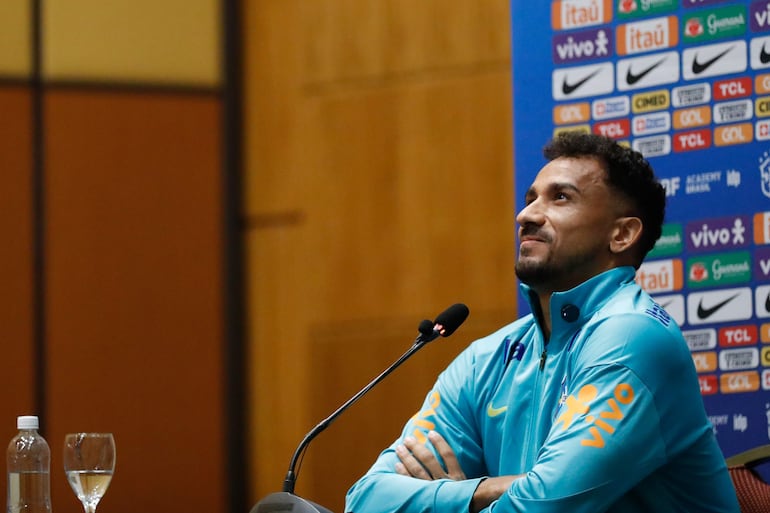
(764, 173)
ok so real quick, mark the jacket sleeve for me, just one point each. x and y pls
(449, 410)
(606, 435)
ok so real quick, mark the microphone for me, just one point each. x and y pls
(445, 324)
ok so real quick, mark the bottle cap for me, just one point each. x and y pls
(27, 422)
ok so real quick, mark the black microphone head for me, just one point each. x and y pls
(426, 328)
(451, 318)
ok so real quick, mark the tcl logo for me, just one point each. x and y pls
(708, 385)
(735, 382)
(617, 129)
(736, 336)
(736, 88)
(695, 140)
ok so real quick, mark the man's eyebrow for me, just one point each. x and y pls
(556, 186)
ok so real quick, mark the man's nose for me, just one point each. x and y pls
(531, 213)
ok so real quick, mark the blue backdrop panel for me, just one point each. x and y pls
(687, 83)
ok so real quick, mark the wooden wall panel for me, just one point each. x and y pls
(15, 38)
(134, 292)
(379, 190)
(377, 41)
(135, 41)
(17, 381)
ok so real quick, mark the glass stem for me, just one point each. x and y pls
(90, 508)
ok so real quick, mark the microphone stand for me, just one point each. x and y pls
(286, 500)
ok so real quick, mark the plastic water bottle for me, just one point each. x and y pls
(29, 461)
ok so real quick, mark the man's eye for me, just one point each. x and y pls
(561, 196)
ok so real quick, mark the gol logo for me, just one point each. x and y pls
(762, 84)
(705, 361)
(733, 134)
(608, 418)
(420, 418)
(569, 114)
(687, 118)
(735, 382)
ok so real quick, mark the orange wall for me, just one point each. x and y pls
(131, 313)
(17, 381)
(134, 286)
(379, 190)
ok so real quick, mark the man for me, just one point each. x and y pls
(591, 403)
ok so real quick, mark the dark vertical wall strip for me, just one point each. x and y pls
(235, 401)
(38, 214)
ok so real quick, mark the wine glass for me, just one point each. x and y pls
(89, 462)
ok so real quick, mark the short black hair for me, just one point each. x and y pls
(627, 172)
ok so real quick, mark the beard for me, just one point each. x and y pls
(553, 275)
(534, 273)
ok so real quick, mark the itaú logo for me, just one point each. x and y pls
(660, 276)
(605, 417)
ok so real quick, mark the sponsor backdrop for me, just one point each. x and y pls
(687, 83)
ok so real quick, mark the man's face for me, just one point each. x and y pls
(566, 225)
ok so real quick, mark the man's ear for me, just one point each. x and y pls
(626, 233)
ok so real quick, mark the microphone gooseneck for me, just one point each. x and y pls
(446, 323)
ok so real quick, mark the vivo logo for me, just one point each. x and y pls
(717, 233)
(760, 16)
(581, 46)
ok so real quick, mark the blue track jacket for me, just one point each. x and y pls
(607, 416)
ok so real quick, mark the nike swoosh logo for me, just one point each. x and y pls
(705, 313)
(667, 303)
(767, 303)
(700, 67)
(633, 78)
(570, 88)
(764, 57)
(494, 412)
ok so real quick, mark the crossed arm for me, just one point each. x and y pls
(418, 461)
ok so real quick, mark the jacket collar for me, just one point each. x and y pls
(571, 309)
